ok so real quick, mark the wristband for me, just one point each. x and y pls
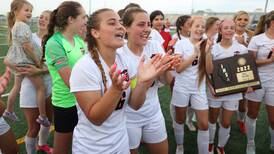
(133, 83)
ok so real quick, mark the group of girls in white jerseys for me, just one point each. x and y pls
(105, 98)
(233, 38)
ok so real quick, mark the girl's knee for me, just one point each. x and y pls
(225, 124)
(212, 118)
(252, 114)
(180, 120)
(33, 131)
(203, 125)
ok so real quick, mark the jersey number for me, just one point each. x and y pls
(121, 101)
(195, 61)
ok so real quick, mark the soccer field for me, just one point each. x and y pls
(236, 144)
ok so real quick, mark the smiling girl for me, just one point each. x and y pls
(147, 124)
(190, 87)
(225, 47)
(24, 51)
(242, 34)
(63, 48)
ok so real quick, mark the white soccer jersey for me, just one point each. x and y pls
(156, 36)
(262, 45)
(218, 52)
(111, 136)
(175, 36)
(151, 105)
(187, 80)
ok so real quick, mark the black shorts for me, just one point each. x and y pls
(65, 119)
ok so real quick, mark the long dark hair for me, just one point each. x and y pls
(264, 22)
(202, 62)
(181, 22)
(210, 22)
(59, 18)
(260, 27)
(154, 14)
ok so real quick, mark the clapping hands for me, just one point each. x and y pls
(156, 66)
(119, 80)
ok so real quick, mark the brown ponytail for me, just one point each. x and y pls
(202, 62)
(59, 18)
(219, 38)
(11, 21)
(51, 27)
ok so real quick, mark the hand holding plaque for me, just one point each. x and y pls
(235, 74)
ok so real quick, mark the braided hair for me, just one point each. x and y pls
(94, 23)
(181, 22)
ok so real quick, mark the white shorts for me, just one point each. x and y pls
(266, 95)
(4, 127)
(28, 92)
(198, 101)
(83, 143)
(152, 132)
(231, 105)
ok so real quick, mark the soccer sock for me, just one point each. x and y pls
(203, 141)
(30, 144)
(212, 130)
(250, 125)
(43, 135)
(271, 131)
(241, 115)
(223, 136)
(172, 111)
(179, 133)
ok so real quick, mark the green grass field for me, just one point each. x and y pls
(236, 144)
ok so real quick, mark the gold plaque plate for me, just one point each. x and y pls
(235, 74)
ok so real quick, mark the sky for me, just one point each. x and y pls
(167, 6)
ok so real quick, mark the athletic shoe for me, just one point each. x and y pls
(180, 149)
(44, 148)
(211, 148)
(241, 125)
(220, 150)
(10, 115)
(190, 126)
(43, 121)
(250, 148)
